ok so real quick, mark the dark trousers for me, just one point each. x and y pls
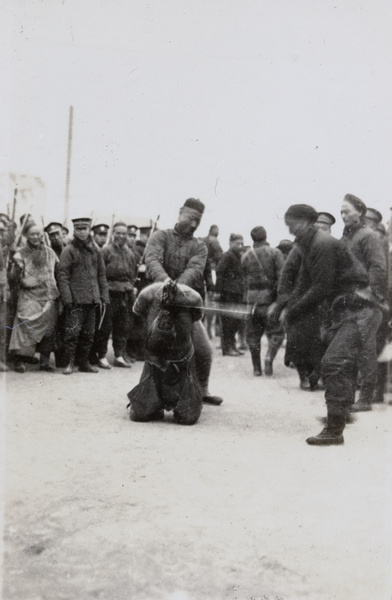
(257, 326)
(118, 323)
(349, 336)
(79, 331)
(368, 358)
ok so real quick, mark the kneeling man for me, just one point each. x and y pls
(169, 380)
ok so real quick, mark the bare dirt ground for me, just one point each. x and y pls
(237, 507)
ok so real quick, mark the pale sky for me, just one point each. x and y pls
(249, 105)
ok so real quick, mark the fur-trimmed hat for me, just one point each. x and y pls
(194, 204)
(53, 227)
(356, 202)
(258, 234)
(301, 211)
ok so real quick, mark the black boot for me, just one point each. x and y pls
(332, 434)
(256, 362)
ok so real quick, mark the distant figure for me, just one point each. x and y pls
(229, 289)
(261, 266)
(169, 380)
(54, 232)
(324, 222)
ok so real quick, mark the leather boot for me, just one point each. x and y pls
(256, 362)
(332, 434)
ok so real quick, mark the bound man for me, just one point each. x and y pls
(177, 255)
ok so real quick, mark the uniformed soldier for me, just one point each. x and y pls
(83, 286)
(131, 236)
(100, 234)
(54, 231)
(324, 222)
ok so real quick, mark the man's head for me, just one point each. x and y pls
(214, 230)
(325, 221)
(372, 218)
(82, 228)
(190, 216)
(298, 217)
(120, 233)
(25, 221)
(33, 234)
(65, 234)
(353, 210)
(258, 234)
(285, 246)
(54, 231)
(236, 242)
(131, 235)
(101, 233)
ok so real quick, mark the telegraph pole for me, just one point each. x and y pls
(68, 176)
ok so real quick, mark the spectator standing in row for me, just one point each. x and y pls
(367, 248)
(120, 267)
(229, 291)
(261, 267)
(83, 287)
(33, 274)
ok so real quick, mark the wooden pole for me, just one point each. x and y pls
(68, 176)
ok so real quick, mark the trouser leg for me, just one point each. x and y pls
(339, 367)
(369, 322)
(254, 334)
(120, 323)
(203, 355)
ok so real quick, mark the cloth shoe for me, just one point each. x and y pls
(268, 366)
(103, 363)
(361, 406)
(120, 362)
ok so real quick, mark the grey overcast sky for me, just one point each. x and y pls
(250, 105)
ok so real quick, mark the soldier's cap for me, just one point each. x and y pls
(258, 234)
(235, 236)
(64, 228)
(53, 227)
(285, 245)
(356, 202)
(145, 230)
(81, 222)
(132, 230)
(374, 215)
(100, 228)
(301, 211)
(25, 217)
(194, 204)
(326, 217)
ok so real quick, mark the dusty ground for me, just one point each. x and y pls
(237, 507)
